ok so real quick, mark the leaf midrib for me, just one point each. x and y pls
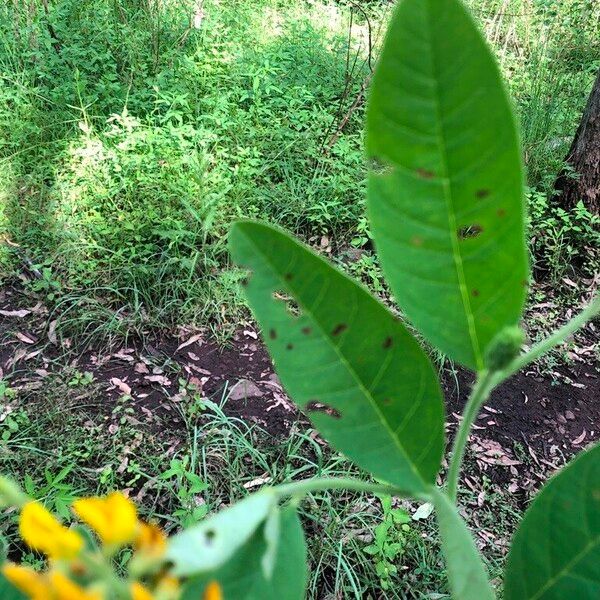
(344, 361)
(448, 198)
(567, 568)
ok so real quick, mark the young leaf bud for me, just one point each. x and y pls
(504, 348)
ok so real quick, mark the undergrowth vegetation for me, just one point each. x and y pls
(133, 133)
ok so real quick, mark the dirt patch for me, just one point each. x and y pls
(530, 426)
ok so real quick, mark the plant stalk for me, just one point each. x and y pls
(559, 336)
(488, 380)
(301, 488)
(485, 383)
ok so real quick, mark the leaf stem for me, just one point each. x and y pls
(559, 336)
(485, 383)
(488, 380)
(301, 488)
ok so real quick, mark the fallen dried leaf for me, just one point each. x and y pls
(141, 368)
(192, 340)
(245, 388)
(26, 339)
(52, 332)
(121, 385)
(15, 313)
(158, 379)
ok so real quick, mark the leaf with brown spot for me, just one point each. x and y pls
(440, 118)
(341, 373)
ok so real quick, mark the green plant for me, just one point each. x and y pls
(6, 391)
(561, 240)
(81, 379)
(447, 215)
(388, 540)
(187, 486)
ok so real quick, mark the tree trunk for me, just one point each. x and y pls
(581, 181)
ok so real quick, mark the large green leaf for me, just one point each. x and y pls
(345, 359)
(555, 554)
(244, 578)
(210, 544)
(446, 192)
(468, 579)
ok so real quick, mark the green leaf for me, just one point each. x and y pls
(271, 535)
(446, 199)
(243, 577)
(344, 358)
(467, 575)
(8, 591)
(210, 544)
(555, 554)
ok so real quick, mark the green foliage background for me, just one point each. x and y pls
(129, 145)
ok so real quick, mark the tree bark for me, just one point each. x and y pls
(581, 180)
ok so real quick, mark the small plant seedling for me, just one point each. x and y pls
(388, 540)
(81, 379)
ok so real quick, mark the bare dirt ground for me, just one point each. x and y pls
(531, 425)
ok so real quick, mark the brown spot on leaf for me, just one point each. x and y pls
(273, 334)
(416, 240)
(425, 174)
(501, 212)
(469, 232)
(289, 276)
(306, 330)
(339, 329)
(290, 347)
(387, 401)
(483, 193)
(315, 406)
(388, 343)
(209, 536)
(475, 293)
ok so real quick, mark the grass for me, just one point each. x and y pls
(126, 154)
(66, 441)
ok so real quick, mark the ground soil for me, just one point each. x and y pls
(531, 425)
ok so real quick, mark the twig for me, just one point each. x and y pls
(55, 39)
(357, 102)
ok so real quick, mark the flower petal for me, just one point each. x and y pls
(213, 591)
(139, 592)
(113, 518)
(43, 532)
(26, 580)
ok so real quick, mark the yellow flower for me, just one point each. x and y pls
(113, 518)
(43, 532)
(26, 580)
(213, 591)
(62, 588)
(150, 540)
(46, 586)
(139, 592)
(168, 587)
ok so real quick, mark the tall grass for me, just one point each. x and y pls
(132, 133)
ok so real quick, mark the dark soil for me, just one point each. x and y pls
(530, 420)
